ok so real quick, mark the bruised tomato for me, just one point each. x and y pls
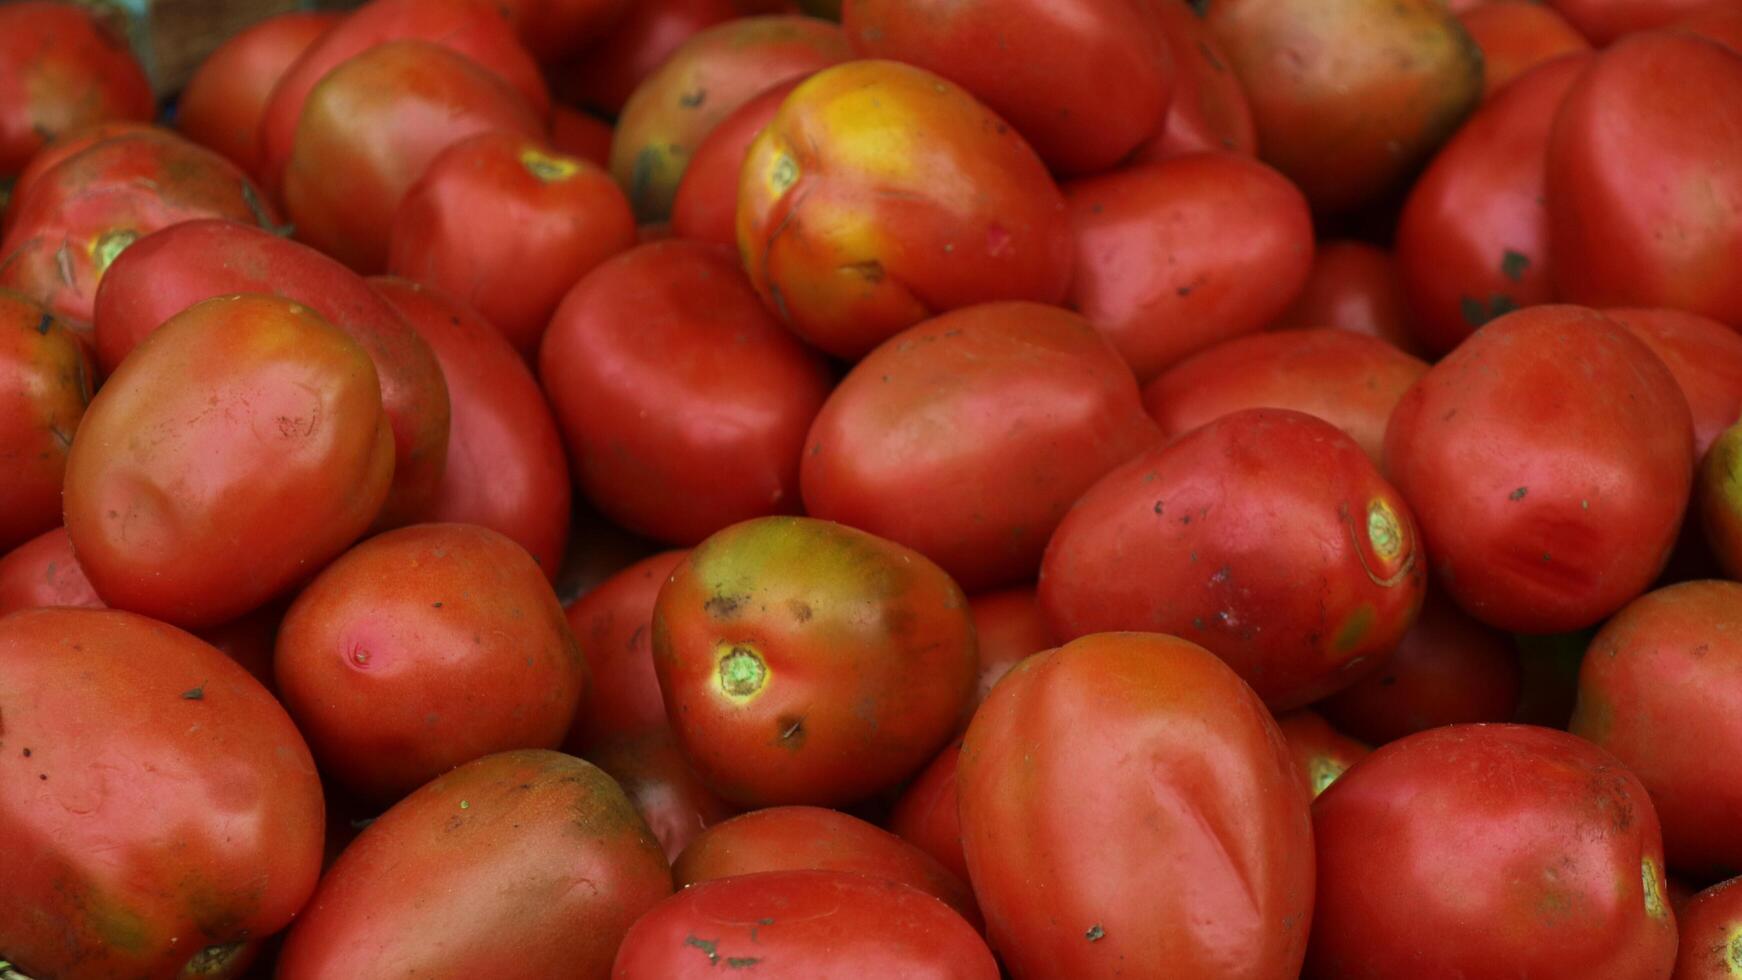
(1009, 627)
(236, 451)
(1711, 933)
(43, 572)
(520, 866)
(926, 815)
(661, 785)
(1126, 737)
(61, 67)
(1515, 36)
(1353, 286)
(1209, 109)
(806, 662)
(223, 104)
(968, 436)
(1720, 499)
(705, 206)
(881, 195)
(1321, 753)
(613, 623)
(160, 814)
(45, 383)
(1706, 358)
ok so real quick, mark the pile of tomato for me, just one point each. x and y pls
(659, 489)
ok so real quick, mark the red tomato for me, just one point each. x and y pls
(1719, 20)
(221, 107)
(422, 649)
(1009, 627)
(505, 465)
(61, 148)
(703, 82)
(1549, 460)
(1084, 81)
(1353, 286)
(1706, 358)
(1515, 36)
(43, 572)
(1267, 535)
(820, 925)
(1605, 21)
(661, 784)
(805, 662)
(1178, 256)
(45, 384)
(612, 624)
(1473, 239)
(706, 204)
(1350, 381)
(1642, 209)
(555, 29)
(707, 384)
(237, 450)
(1128, 736)
(926, 815)
(580, 134)
(1487, 851)
(158, 811)
(1209, 109)
(519, 866)
(969, 436)
(1720, 499)
(603, 76)
(1711, 924)
(62, 67)
(1321, 753)
(881, 195)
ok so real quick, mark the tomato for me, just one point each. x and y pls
(1661, 688)
(809, 838)
(1209, 109)
(806, 662)
(1473, 239)
(422, 649)
(612, 624)
(1266, 535)
(221, 107)
(505, 465)
(1720, 499)
(1606, 21)
(526, 864)
(1711, 926)
(238, 449)
(1641, 209)
(1321, 753)
(1350, 381)
(1706, 358)
(705, 206)
(926, 815)
(1486, 851)
(159, 813)
(1177, 256)
(65, 146)
(43, 572)
(556, 29)
(1127, 736)
(821, 925)
(603, 76)
(881, 195)
(1349, 96)
(968, 437)
(1448, 670)
(704, 81)
(1084, 81)
(663, 787)
(1009, 627)
(45, 384)
(579, 134)
(1718, 20)
(1353, 286)
(1549, 460)
(707, 384)
(62, 67)
(168, 272)
(1515, 36)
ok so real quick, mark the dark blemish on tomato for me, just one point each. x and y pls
(435, 605)
(869, 270)
(709, 947)
(759, 924)
(27, 753)
(1545, 556)
(1095, 933)
(1186, 519)
(1513, 264)
(454, 320)
(741, 962)
(1197, 622)
(1158, 507)
(1448, 416)
(43, 324)
(801, 610)
(194, 694)
(42, 776)
(635, 637)
(690, 100)
(723, 606)
(1518, 494)
(791, 731)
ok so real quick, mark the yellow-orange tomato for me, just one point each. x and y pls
(882, 195)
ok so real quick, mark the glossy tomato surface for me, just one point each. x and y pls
(613, 624)
(62, 67)
(45, 384)
(1706, 358)
(223, 104)
(1208, 109)
(705, 206)
(1711, 934)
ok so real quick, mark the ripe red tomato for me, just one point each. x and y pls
(1515, 36)
(1209, 109)
(602, 76)
(1709, 933)
(1009, 627)
(1177, 256)
(520, 866)
(63, 147)
(45, 384)
(1486, 851)
(581, 134)
(927, 816)
(1549, 460)
(1605, 21)
(159, 812)
(1718, 20)
(43, 572)
(1706, 358)
(1720, 499)
(968, 437)
(222, 106)
(1353, 286)
(705, 207)
(613, 623)
(661, 785)
(803, 661)
(1121, 737)
(1321, 753)
(238, 449)
(62, 67)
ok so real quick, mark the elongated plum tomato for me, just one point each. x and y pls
(881, 195)
(1353, 286)
(1516, 36)
(661, 784)
(1549, 460)
(927, 816)
(237, 450)
(803, 661)
(1720, 499)
(68, 144)
(540, 863)
(62, 67)
(968, 437)
(1209, 109)
(1127, 736)
(1487, 850)
(705, 207)
(1267, 536)
(221, 107)
(613, 624)
(160, 813)
(826, 925)
(45, 383)
(1711, 934)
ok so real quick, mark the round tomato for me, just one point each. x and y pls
(221, 107)
(1353, 286)
(1209, 109)
(1720, 499)
(926, 815)
(1711, 934)
(1009, 627)
(613, 623)
(43, 572)
(661, 785)
(62, 67)
(45, 384)
(1321, 753)
(1515, 36)
(705, 207)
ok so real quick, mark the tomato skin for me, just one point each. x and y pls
(1720, 499)
(159, 806)
(45, 384)
(1641, 210)
(1549, 460)
(1353, 286)
(853, 236)
(43, 572)
(1266, 535)
(1706, 358)
(1038, 407)
(926, 815)
(1708, 926)
(1607, 21)
(581, 134)
(1209, 109)
(1487, 850)
(1473, 239)
(223, 104)
(603, 76)
(63, 147)
(613, 624)
(821, 925)
(1718, 20)
(1321, 753)
(540, 862)
(1349, 380)
(1516, 36)
(1223, 886)
(64, 68)
(707, 384)
(705, 207)
(661, 785)
(555, 29)
(803, 661)
(1084, 81)
(1175, 257)
(1009, 627)
(240, 447)
(167, 272)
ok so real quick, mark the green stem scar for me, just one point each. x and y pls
(742, 672)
